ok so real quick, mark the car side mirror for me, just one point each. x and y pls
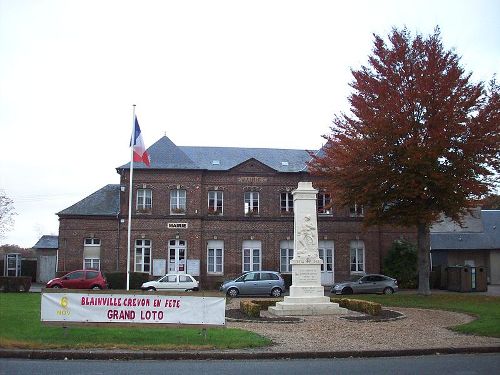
(360, 282)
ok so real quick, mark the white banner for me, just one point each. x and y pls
(132, 308)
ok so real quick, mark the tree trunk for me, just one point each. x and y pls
(423, 244)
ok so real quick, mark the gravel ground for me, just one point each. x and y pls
(421, 329)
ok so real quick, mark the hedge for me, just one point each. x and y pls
(15, 284)
(367, 307)
(252, 308)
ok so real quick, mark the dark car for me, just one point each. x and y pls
(80, 279)
(366, 284)
(255, 283)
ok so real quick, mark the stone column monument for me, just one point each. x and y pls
(306, 292)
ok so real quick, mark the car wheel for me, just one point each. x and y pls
(56, 287)
(232, 292)
(388, 290)
(276, 292)
(347, 291)
(96, 287)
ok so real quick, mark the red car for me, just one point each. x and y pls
(80, 279)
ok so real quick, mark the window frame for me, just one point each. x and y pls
(178, 203)
(251, 202)
(287, 207)
(288, 256)
(91, 241)
(140, 266)
(141, 195)
(91, 265)
(251, 264)
(212, 267)
(358, 247)
(215, 208)
(323, 200)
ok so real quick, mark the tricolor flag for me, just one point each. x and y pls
(137, 143)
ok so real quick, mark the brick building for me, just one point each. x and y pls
(214, 212)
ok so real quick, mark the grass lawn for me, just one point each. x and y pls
(20, 327)
(485, 308)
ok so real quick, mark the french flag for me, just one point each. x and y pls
(137, 143)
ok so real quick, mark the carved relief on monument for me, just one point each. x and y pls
(307, 242)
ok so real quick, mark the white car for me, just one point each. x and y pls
(181, 282)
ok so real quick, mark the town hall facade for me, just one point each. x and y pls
(215, 212)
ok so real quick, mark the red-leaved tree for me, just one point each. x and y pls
(420, 140)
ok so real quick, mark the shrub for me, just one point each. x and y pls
(252, 308)
(15, 284)
(401, 264)
(118, 280)
(367, 307)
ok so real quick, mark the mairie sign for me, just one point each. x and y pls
(132, 308)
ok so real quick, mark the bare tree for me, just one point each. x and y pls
(6, 214)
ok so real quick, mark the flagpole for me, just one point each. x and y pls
(130, 196)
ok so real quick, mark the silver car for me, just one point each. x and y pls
(366, 284)
(255, 283)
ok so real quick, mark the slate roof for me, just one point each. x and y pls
(47, 242)
(486, 239)
(104, 202)
(164, 154)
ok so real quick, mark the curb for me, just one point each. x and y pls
(208, 355)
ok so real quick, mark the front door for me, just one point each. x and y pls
(326, 255)
(177, 250)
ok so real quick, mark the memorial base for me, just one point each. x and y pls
(297, 306)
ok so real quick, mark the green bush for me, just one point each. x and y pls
(367, 307)
(401, 264)
(118, 280)
(249, 308)
(252, 308)
(15, 284)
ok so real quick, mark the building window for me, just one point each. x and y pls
(92, 242)
(286, 255)
(142, 256)
(177, 202)
(286, 202)
(324, 202)
(215, 256)
(92, 264)
(144, 199)
(251, 202)
(356, 210)
(357, 256)
(251, 256)
(325, 249)
(215, 202)
(92, 254)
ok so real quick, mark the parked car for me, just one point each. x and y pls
(255, 283)
(366, 284)
(79, 279)
(172, 281)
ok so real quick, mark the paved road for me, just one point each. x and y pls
(448, 364)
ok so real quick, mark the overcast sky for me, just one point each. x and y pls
(204, 73)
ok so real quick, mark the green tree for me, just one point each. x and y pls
(401, 263)
(420, 140)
